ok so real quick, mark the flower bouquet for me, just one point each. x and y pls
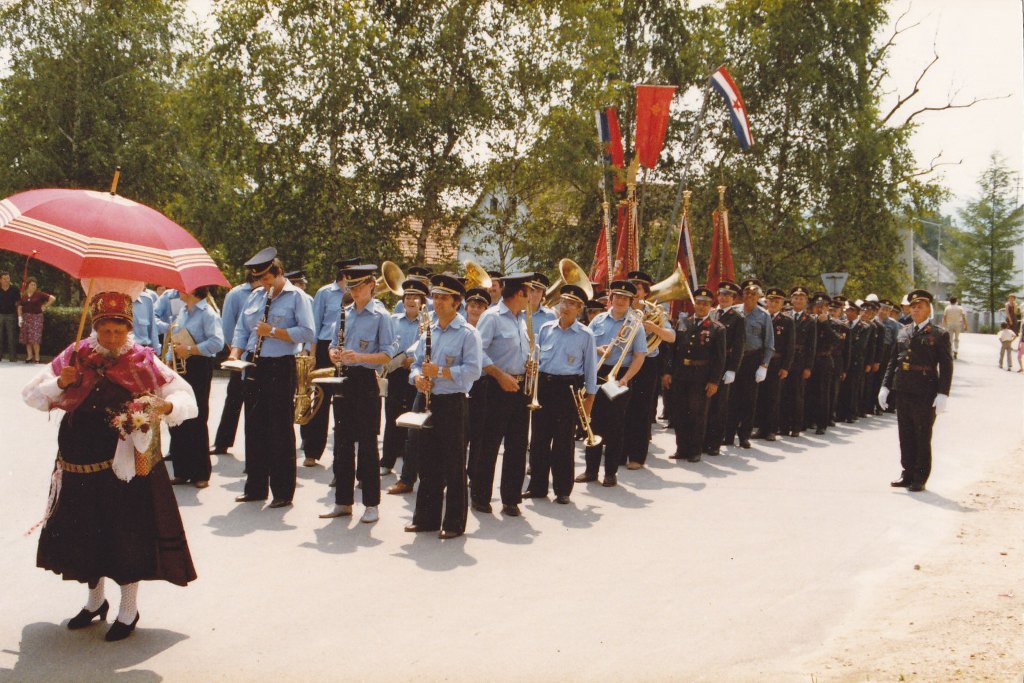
(138, 421)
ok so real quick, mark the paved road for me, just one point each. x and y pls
(730, 569)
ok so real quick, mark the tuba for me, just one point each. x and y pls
(390, 280)
(672, 288)
(569, 273)
(476, 276)
(308, 396)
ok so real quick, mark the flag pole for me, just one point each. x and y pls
(690, 152)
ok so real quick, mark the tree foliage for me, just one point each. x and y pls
(325, 128)
(983, 246)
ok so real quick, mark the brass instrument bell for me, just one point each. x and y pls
(569, 273)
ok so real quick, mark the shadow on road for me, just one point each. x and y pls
(431, 553)
(246, 518)
(572, 516)
(342, 536)
(49, 652)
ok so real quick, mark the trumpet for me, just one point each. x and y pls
(532, 364)
(578, 398)
(633, 323)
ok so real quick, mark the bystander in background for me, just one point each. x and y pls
(30, 309)
(1006, 337)
(9, 298)
(955, 321)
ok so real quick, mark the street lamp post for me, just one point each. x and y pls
(938, 248)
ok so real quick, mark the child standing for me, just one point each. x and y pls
(1006, 337)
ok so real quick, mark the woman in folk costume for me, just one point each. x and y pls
(112, 512)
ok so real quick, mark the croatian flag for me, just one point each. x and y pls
(726, 87)
(611, 142)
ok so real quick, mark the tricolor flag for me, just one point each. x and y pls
(726, 87)
(611, 141)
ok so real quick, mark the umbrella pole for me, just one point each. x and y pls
(117, 176)
(81, 321)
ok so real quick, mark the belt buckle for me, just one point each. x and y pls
(906, 366)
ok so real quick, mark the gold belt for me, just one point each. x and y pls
(91, 468)
(689, 361)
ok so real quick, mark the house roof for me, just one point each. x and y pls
(929, 263)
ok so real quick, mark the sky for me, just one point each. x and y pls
(980, 44)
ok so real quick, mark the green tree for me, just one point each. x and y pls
(983, 252)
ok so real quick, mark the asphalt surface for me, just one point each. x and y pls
(735, 568)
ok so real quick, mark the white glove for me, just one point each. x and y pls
(20, 321)
(939, 403)
(761, 373)
(883, 398)
(729, 377)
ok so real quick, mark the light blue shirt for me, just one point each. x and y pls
(406, 332)
(456, 347)
(606, 328)
(400, 306)
(760, 333)
(167, 307)
(370, 330)
(504, 339)
(203, 323)
(569, 351)
(326, 309)
(543, 315)
(290, 310)
(144, 326)
(232, 308)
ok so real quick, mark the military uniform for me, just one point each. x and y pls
(697, 359)
(718, 406)
(805, 338)
(919, 372)
(861, 335)
(817, 399)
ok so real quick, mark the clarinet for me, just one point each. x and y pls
(426, 359)
(339, 368)
(259, 340)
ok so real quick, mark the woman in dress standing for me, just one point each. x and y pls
(112, 512)
(30, 309)
(190, 441)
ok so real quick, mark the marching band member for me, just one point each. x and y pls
(477, 301)
(568, 363)
(326, 311)
(541, 313)
(694, 372)
(278, 319)
(190, 441)
(609, 416)
(145, 327)
(419, 274)
(368, 343)
(232, 308)
(454, 365)
(919, 374)
(804, 355)
(494, 291)
(770, 393)
(735, 336)
(400, 391)
(506, 349)
(643, 390)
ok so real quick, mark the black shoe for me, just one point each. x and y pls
(219, 450)
(771, 437)
(693, 458)
(761, 435)
(819, 431)
(279, 503)
(120, 630)
(711, 451)
(416, 528)
(445, 534)
(334, 482)
(511, 510)
(85, 617)
(609, 480)
(676, 456)
(744, 444)
(246, 498)
(530, 494)
(900, 483)
(585, 478)
(916, 488)
(483, 507)
(562, 500)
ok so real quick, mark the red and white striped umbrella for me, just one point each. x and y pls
(99, 234)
